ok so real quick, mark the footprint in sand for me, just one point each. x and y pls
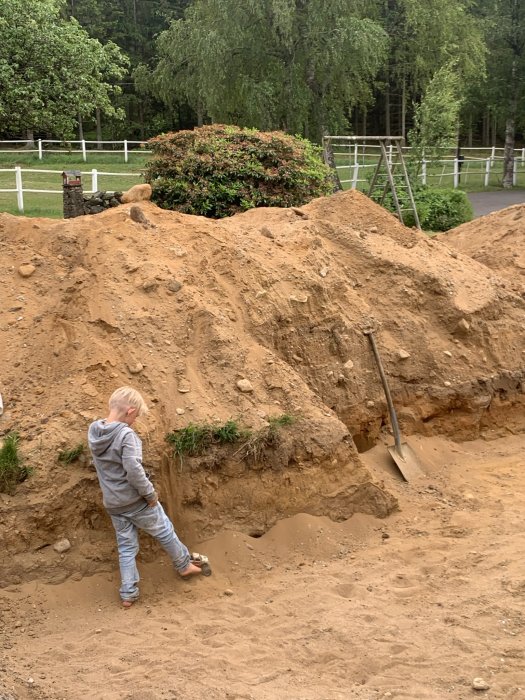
(345, 590)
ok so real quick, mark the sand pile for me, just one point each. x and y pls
(184, 308)
(496, 240)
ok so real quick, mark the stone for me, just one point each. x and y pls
(403, 354)
(136, 368)
(174, 285)
(480, 684)
(180, 411)
(373, 229)
(138, 193)
(447, 383)
(370, 404)
(463, 326)
(136, 214)
(228, 592)
(184, 389)
(323, 271)
(348, 364)
(301, 298)
(150, 285)
(447, 353)
(245, 386)
(26, 270)
(62, 546)
(265, 231)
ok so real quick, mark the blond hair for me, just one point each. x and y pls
(126, 397)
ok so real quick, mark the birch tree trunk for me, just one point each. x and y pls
(99, 129)
(508, 155)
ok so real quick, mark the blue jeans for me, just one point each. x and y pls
(156, 523)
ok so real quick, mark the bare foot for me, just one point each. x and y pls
(127, 603)
(190, 570)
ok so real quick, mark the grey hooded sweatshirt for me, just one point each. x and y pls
(117, 453)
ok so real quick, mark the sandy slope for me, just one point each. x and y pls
(414, 606)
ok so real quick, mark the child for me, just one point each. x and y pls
(128, 494)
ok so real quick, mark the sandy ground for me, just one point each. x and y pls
(414, 606)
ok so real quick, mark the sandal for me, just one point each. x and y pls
(202, 561)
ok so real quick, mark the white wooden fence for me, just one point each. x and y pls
(83, 147)
(20, 189)
(356, 162)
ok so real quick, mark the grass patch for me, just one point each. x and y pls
(50, 205)
(69, 456)
(195, 439)
(12, 471)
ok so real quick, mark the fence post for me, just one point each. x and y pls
(424, 171)
(84, 154)
(487, 172)
(493, 155)
(355, 175)
(94, 181)
(125, 151)
(39, 149)
(356, 154)
(19, 189)
(515, 172)
(390, 154)
(456, 173)
(523, 156)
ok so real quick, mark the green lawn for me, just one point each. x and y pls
(50, 205)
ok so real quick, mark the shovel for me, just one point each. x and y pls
(401, 453)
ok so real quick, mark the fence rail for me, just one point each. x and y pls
(478, 167)
(19, 188)
(84, 147)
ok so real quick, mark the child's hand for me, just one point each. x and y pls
(153, 502)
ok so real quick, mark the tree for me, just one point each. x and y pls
(51, 71)
(296, 65)
(506, 81)
(426, 35)
(436, 117)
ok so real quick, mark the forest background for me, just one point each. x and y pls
(135, 68)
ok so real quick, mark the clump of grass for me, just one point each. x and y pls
(68, 456)
(255, 446)
(195, 439)
(12, 471)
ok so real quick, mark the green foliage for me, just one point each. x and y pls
(438, 209)
(442, 209)
(218, 170)
(272, 64)
(51, 71)
(436, 117)
(195, 439)
(12, 471)
(69, 456)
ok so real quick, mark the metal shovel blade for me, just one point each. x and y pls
(406, 461)
(402, 454)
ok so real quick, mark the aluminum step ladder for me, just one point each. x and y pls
(391, 174)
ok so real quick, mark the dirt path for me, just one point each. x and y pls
(412, 607)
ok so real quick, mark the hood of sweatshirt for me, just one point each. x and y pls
(102, 435)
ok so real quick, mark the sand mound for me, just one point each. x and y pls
(184, 307)
(496, 240)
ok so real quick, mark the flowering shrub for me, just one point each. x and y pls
(219, 170)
